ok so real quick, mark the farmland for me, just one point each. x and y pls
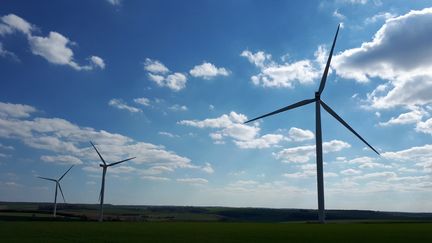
(213, 232)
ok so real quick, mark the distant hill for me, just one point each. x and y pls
(42, 211)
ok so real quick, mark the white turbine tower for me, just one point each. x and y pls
(104, 170)
(57, 182)
(318, 135)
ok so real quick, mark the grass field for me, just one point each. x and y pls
(213, 232)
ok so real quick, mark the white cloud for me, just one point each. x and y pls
(207, 168)
(54, 48)
(6, 53)
(399, 53)
(374, 175)
(420, 156)
(193, 181)
(17, 23)
(265, 141)
(142, 101)
(282, 75)
(379, 16)
(178, 107)
(176, 81)
(15, 110)
(425, 127)
(231, 126)
(155, 178)
(366, 162)
(338, 15)
(350, 172)
(208, 71)
(303, 154)
(155, 66)
(97, 62)
(168, 134)
(62, 159)
(68, 140)
(115, 2)
(120, 104)
(414, 116)
(298, 134)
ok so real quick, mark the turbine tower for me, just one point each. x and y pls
(318, 134)
(104, 170)
(57, 181)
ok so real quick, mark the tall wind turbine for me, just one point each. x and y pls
(104, 170)
(57, 181)
(318, 135)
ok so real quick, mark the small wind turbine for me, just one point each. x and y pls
(104, 170)
(57, 187)
(318, 135)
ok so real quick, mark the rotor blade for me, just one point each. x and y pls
(66, 173)
(329, 110)
(49, 179)
(324, 77)
(121, 161)
(100, 156)
(295, 105)
(61, 191)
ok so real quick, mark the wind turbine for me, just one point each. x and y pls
(104, 170)
(318, 135)
(57, 187)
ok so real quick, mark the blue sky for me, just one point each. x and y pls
(172, 83)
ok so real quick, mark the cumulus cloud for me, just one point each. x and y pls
(142, 101)
(298, 134)
(231, 126)
(115, 2)
(208, 71)
(193, 181)
(120, 104)
(414, 116)
(97, 62)
(55, 48)
(159, 74)
(379, 16)
(155, 66)
(178, 107)
(305, 153)
(284, 75)
(62, 159)
(5, 53)
(70, 143)
(15, 110)
(168, 134)
(399, 53)
(14, 22)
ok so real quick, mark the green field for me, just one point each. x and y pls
(213, 232)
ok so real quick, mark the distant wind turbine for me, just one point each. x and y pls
(318, 135)
(57, 187)
(104, 170)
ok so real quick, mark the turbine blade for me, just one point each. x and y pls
(66, 172)
(61, 191)
(295, 105)
(324, 77)
(115, 163)
(329, 110)
(45, 178)
(100, 156)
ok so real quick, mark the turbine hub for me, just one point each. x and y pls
(317, 96)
